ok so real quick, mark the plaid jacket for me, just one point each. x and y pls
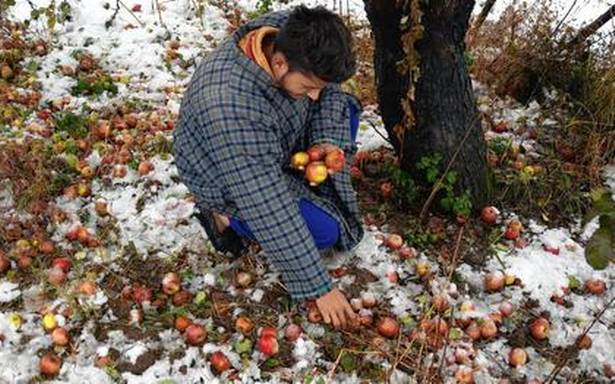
(233, 142)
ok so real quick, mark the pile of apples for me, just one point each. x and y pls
(318, 162)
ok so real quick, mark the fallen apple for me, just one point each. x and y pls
(394, 241)
(141, 294)
(517, 357)
(292, 332)
(243, 279)
(488, 329)
(539, 328)
(494, 281)
(595, 286)
(195, 334)
(388, 327)
(219, 362)
(506, 308)
(473, 331)
(145, 167)
(171, 283)
(100, 206)
(49, 322)
(268, 345)
(584, 342)
(87, 288)
(60, 336)
(489, 215)
(47, 247)
(356, 304)
(56, 276)
(368, 300)
(5, 263)
(386, 190)
(63, 263)
(182, 322)
(181, 298)
(511, 234)
(50, 364)
(464, 375)
(244, 325)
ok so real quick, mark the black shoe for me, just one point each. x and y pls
(226, 242)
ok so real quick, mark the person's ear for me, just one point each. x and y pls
(279, 64)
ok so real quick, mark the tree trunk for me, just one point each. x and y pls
(444, 106)
(482, 16)
(391, 85)
(594, 26)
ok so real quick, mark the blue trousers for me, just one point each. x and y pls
(324, 229)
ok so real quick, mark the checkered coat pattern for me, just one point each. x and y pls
(233, 142)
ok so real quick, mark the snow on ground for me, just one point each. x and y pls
(135, 55)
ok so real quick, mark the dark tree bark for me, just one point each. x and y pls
(391, 84)
(482, 16)
(446, 117)
(594, 26)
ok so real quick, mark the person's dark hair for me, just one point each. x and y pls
(315, 40)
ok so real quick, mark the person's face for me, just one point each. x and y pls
(296, 84)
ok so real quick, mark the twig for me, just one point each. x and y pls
(132, 13)
(160, 14)
(456, 252)
(379, 133)
(566, 353)
(436, 186)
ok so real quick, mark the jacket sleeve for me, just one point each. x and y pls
(248, 155)
(330, 123)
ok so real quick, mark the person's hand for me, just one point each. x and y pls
(335, 309)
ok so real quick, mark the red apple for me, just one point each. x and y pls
(464, 375)
(195, 334)
(489, 215)
(316, 153)
(24, 261)
(63, 263)
(517, 357)
(386, 190)
(145, 167)
(268, 331)
(394, 241)
(494, 281)
(56, 276)
(141, 294)
(243, 279)
(119, 171)
(219, 362)
(87, 288)
(314, 315)
(511, 234)
(539, 328)
(171, 283)
(584, 342)
(473, 331)
(268, 345)
(101, 207)
(244, 325)
(60, 336)
(488, 330)
(595, 286)
(335, 160)
(316, 173)
(5, 263)
(181, 323)
(50, 364)
(181, 298)
(506, 308)
(406, 252)
(388, 327)
(46, 246)
(292, 332)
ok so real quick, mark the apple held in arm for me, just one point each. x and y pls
(318, 162)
